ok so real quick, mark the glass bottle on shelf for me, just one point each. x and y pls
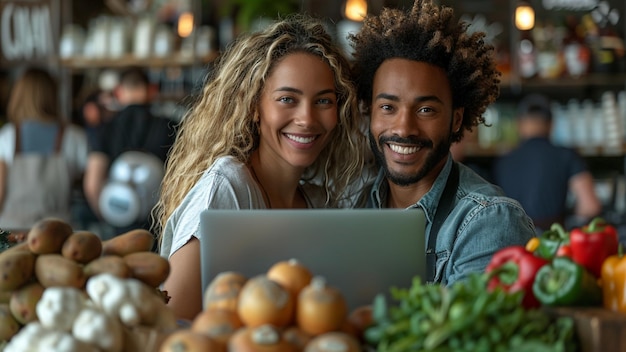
(527, 55)
(576, 53)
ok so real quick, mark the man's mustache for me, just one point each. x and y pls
(418, 142)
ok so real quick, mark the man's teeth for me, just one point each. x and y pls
(403, 150)
(303, 140)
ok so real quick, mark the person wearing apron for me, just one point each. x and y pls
(40, 156)
(423, 81)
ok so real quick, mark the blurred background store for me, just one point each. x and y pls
(571, 50)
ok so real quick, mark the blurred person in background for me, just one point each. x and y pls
(41, 156)
(93, 115)
(132, 128)
(540, 174)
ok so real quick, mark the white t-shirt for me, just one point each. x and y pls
(227, 184)
(74, 147)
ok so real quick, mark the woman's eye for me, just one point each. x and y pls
(386, 107)
(325, 101)
(286, 99)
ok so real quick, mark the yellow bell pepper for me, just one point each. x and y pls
(613, 279)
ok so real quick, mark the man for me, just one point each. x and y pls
(132, 128)
(539, 174)
(424, 80)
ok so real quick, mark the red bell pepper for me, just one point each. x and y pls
(513, 269)
(593, 243)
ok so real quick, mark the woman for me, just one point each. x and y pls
(277, 126)
(41, 156)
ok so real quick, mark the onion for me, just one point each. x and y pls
(291, 274)
(188, 341)
(333, 342)
(265, 338)
(217, 324)
(223, 291)
(360, 319)
(296, 337)
(263, 301)
(320, 308)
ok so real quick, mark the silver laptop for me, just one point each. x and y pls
(362, 252)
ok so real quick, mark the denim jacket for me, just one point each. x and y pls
(481, 222)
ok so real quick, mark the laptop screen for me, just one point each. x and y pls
(362, 252)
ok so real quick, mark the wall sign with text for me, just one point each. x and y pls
(27, 30)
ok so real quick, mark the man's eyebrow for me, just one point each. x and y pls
(387, 97)
(428, 98)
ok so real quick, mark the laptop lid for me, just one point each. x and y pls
(362, 252)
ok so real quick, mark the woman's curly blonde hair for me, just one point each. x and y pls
(430, 33)
(221, 122)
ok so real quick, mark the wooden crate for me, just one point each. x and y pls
(598, 329)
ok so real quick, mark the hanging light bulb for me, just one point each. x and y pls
(185, 24)
(355, 10)
(524, 16)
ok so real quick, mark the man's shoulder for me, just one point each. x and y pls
(480, 192)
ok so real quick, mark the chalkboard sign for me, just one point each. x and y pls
(28, 30)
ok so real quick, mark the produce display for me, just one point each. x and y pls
(66, 290)
(287, 308)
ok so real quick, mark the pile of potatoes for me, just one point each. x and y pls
(53, 255)
(286, 309)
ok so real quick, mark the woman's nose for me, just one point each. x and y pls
(305, 115)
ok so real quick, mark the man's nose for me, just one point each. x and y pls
(405, 123)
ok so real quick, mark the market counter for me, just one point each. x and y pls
(598, 329)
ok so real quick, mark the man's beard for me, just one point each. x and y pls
(437, 153)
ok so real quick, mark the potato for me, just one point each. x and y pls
(56, 270)
(24, 301)
(112, 264)
(48, 235)
(133, 241)
(149, 267)
(16, 269)
(5, 296)
(82, 247)
(9, 327)
(22, 246)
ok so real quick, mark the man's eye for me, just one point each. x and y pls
(425, 110)
(386, 107)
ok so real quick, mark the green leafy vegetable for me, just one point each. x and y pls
(464, 317)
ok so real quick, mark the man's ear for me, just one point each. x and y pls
(457, 119)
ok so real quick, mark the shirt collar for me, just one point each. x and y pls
(429, 202)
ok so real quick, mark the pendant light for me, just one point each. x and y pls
(524, 16)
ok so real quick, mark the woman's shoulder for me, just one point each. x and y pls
(227, 166)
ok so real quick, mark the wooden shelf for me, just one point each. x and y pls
(590, 80)
(82, 63)
(476, 151)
